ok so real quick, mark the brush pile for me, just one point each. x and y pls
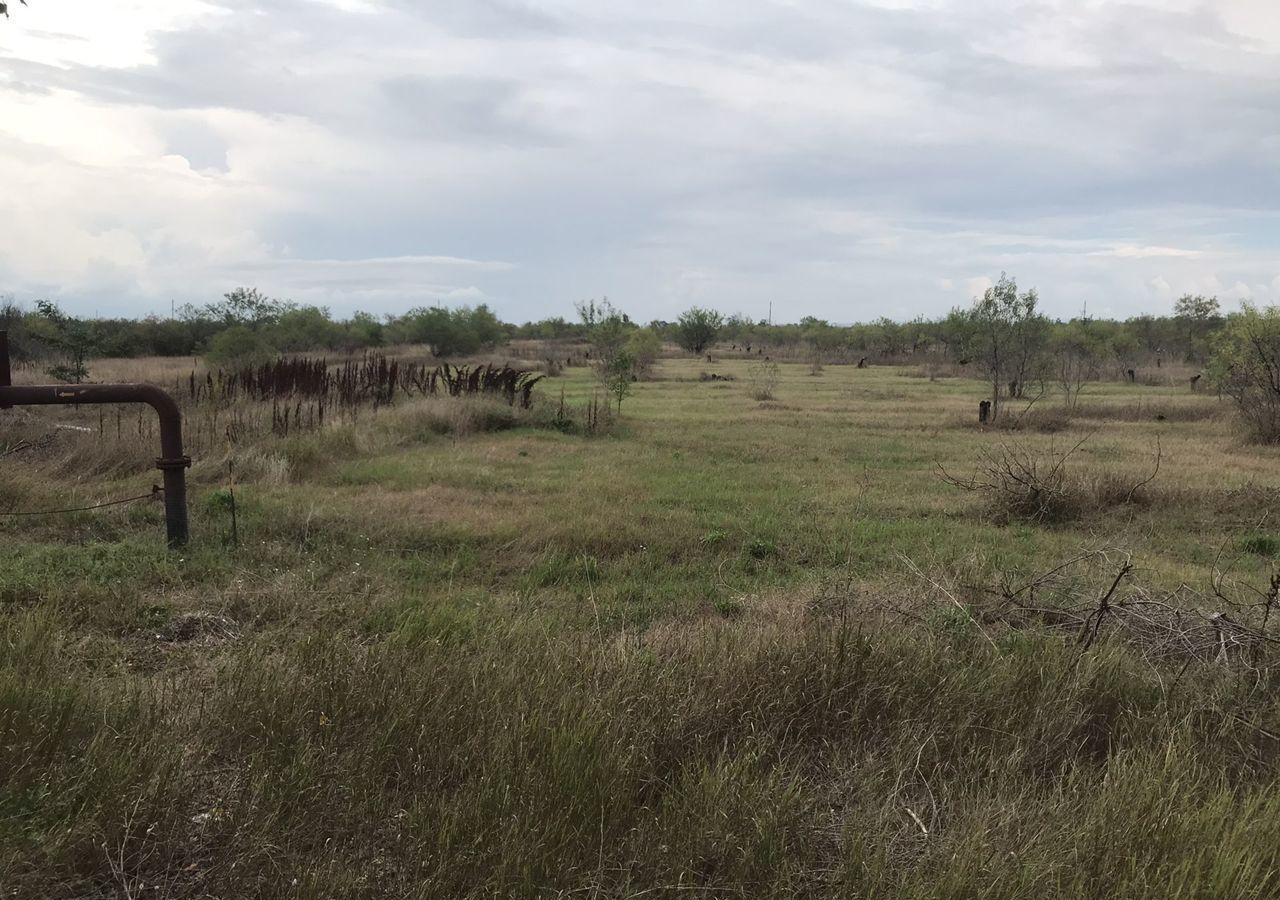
(1095, 596)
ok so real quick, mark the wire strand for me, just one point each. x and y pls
(155, 491)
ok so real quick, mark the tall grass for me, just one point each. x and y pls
(771, 762)
(507, 663)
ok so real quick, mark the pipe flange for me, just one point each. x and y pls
(180, 462)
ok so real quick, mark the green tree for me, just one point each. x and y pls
(697, 328)
(449, 332)
(1199, 316)
(13, 319)
(1076, 352)
(243, 306)
(73, 338)
(237, 347)
(608, 329)
(1005, 335)
(617, 377)
(643, 348)
(364, 330)
(1245, 365)
(303, 328)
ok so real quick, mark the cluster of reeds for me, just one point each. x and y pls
(373, 380)
(299, 394)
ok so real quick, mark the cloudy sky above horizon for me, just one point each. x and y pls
(845, 158)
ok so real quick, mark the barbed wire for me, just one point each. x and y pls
(155, 491)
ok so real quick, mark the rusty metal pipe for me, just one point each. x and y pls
(172, 462)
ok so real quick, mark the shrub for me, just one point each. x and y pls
(1260, 545)
(1021, 484)
(238, 347)
(617, 376)
(1246, 366)
(643, 347)
(764, 380)
(449, 332)
(697, 328)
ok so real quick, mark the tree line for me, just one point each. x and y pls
(246, 323)
(1003, 337)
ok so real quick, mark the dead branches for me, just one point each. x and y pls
(1170, 627)
(1025, 484)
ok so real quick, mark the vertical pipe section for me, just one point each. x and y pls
(173, 463)
(6, 378)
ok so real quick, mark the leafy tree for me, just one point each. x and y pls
(364, 330)
(72, 337)
(303, 328)
(243, 306)
(1076, 352)
(643, 348)
(550, 329)
(889, 337)
(617, 376)
(737, 327)
(592, 313)
(1246, 365)
(237, 347)
(1005, 335)
(13, 319)
(1199, 316)
(446, 332)
(1197, 308)
(697, 327)
(607, 329)
(481, 322)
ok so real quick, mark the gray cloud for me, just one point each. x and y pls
(845, 158)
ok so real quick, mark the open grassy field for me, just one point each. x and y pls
(727, 648)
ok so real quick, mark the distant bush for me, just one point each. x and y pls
(764, 380)
(697, 328)
(449, 332)
(238, 347)
(643, 347)
(1246, 366)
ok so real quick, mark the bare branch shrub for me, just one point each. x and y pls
(1096, 595)
(764, 380)
(1023, 484)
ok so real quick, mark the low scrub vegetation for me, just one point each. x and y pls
(1041, 486)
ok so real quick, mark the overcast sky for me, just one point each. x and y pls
(841, 158)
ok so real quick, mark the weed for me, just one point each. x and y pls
(758, 548)
(1261, 545)
(220, 500)
(714, 538)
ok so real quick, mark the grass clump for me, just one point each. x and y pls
(1261, 545)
